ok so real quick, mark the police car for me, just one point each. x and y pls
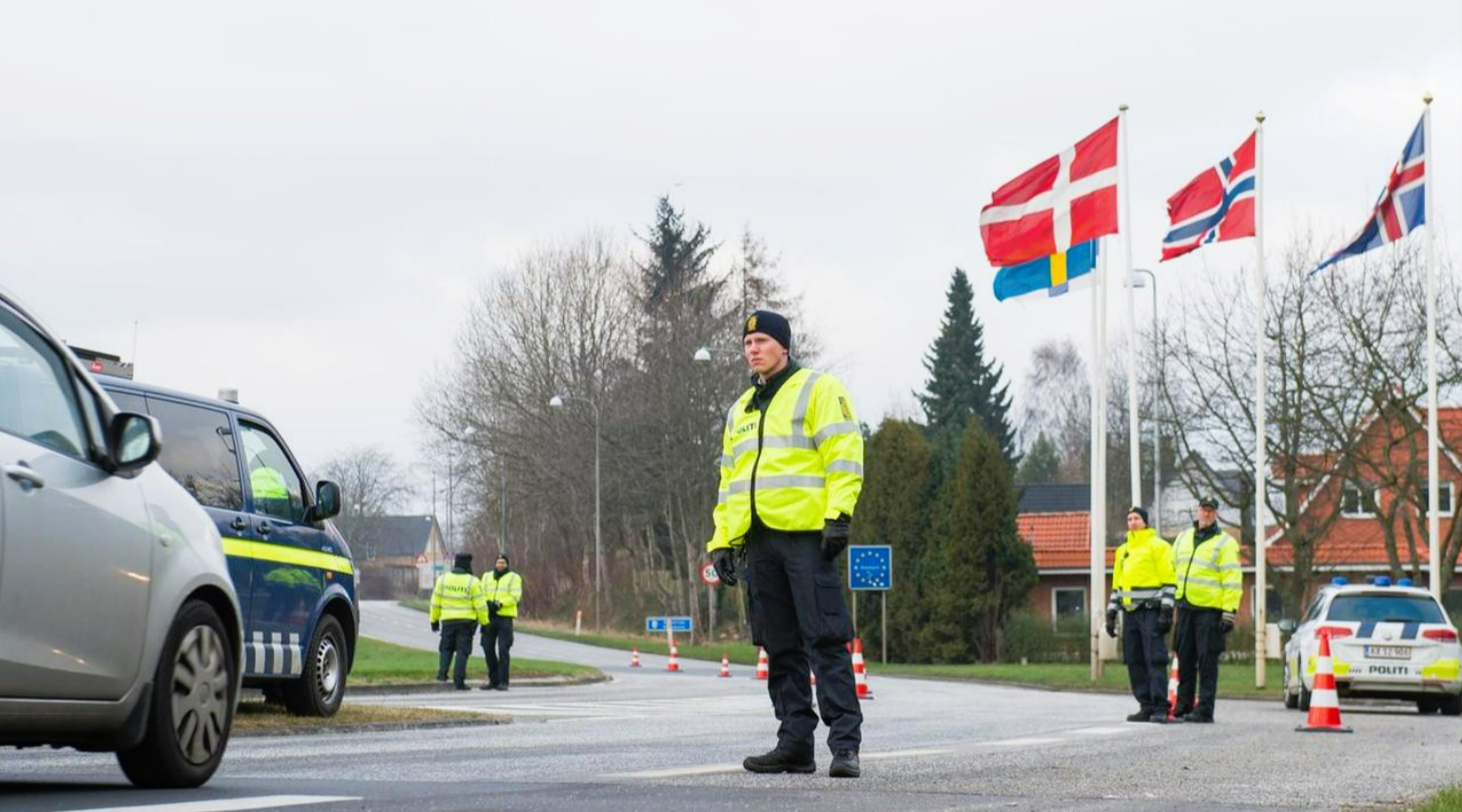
(293, 571)
(1386, 642)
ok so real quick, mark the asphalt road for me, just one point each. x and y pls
(652, 740)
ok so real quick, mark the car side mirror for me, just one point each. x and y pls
(1287, 626)
(133, 441)
(327, 501)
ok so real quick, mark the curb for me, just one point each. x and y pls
(446, 687)
(1031, 686)
(373, 727)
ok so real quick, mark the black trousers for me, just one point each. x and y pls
(497, 638)
(1146, 654)
(799, 613)
(1199, 641)
(456, 639)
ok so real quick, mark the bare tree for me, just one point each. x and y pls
(371, 484)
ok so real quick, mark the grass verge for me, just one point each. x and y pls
(1448, 800)
(257, 716)
(740, 653)
(1235, 680)
(380, 663)
(419, 604)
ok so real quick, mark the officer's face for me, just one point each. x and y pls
(763, 354)
(500, 565)
(1134, 522)
(1207, 516)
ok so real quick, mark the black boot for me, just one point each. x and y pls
(781, 761)
(1143, 715)
(845, 765)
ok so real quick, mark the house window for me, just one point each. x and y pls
(1067, 602)
(1445, 493)
(1357, 500)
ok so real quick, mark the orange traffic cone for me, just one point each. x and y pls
(1324, 702)
(725, 666)
(763, 668)
(812, 678)
(1173, 689)
(860, 671)
(674, 664)
(634, 657)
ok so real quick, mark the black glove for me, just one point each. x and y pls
(436, 626)
(1164, 621)
(724, 561)
(495, 606)
(1112, 622)
(835, 536)
(1226, 623)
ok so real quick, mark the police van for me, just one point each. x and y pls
(293, 571)
(1387, 641)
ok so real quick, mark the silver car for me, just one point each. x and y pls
(119, 626)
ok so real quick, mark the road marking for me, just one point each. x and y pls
(1023, 742)
(229, 804)
(1102, 731)
(711, 769)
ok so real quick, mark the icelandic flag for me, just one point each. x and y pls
(1052, 275)
(1401, 207)
(1217, 205)
(1064, 200)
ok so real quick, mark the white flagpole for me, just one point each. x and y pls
(1261, 464)
(1125, 226)
(1433, 521)
(1098, 513)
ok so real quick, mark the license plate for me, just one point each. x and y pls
(1388, 652)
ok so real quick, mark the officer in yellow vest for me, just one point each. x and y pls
(1210, 585)
(1143, 585)
(457, 606)
(503, 589)
(791, 472)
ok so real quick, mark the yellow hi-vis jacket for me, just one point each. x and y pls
(1209, 572)
(458, 596)
(507, 591)
(1142, 572)
(799, 463)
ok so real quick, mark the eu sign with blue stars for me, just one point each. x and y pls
(870, 568)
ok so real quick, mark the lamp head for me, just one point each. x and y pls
(556, 401)
(703, 354)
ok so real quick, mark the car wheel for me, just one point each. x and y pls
(192, 705)
(321, 688)
(1304, 697)
(1290, 700)
(1452, 705)
(1428, 706)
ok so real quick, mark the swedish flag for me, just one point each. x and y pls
(1052, 275)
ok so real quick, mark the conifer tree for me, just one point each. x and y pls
(962, 382)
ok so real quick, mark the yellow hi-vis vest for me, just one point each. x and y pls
(1209, 573)
(458, 596)
(1142, 572)
(507, 591)
(800, 462)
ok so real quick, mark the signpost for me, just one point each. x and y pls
(665, 625)
(870, 569)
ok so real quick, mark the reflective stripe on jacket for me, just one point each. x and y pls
(458, 596)
(507, 591)
(799, 463)
(1142, 572)
(1210, 574)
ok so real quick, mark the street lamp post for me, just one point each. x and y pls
(557, 402)
(1137, 282)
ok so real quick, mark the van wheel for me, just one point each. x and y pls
(1452, 705)
(1290, 700)
(1428, 706)
(193, 694)
(1304, 697)
(320, 690)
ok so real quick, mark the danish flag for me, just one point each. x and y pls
(1064, 200)
(1217, 205)
(1402, 205)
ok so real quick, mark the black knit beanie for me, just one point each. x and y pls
(771, 324)
(1141, 511)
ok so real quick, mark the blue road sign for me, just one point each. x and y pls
(870, 568)
(656, 625)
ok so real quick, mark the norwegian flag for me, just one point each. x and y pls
(1217, 205)
(1401, 207)
(1064, 200)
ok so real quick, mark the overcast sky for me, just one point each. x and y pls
(296, 199)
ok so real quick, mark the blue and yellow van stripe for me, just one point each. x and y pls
(285, 554)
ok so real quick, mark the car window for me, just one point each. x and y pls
(37, 401)
(128, 402)
(1314, 610)
(198, 449)
(277, 488)
(1386, 608)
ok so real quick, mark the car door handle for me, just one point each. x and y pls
(25, 475)
(265, 528)
(239, 524)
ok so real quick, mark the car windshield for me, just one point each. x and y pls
(1386, 609)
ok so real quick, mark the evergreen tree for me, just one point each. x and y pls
(894, 509)
(981, 569)
(962, 383)
(1041, 463)
(679, 264)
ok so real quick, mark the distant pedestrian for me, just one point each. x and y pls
(1142, 594)
(457, 607)
(503, 589)
(1210, 586)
